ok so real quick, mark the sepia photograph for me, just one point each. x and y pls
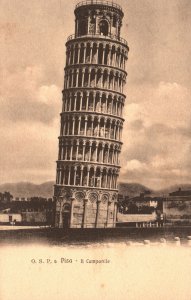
(95, 164)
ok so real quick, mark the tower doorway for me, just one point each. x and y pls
(103, 27)
(66, 215)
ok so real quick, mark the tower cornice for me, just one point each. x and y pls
(95, 66)
(111, 38)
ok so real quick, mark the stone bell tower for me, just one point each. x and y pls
(91, 119)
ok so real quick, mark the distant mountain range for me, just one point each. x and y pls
(134, 189)
(28, 189)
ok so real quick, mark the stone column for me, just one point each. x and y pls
(115, 214)
(120, 130)
(83, 155)
(97, 214)
(72, 78)
(83, 72)
(79, 125)
(110, 180)
(69, 175)
(114, 176)
(117, 132)
(125, 62)
(106, 179)
(104, 127)
(78, 59)
(89, 77)
(106, 104)
(113, 83)
(114, 130)
(113, 156)
(107, 219)
(77, 78)
(116, 107)
(101, 80)
(98, 133)
(75, 169)
(101, 175)
(96, 152)
(77, 147)
(71, 213)
(87, 100)
(104, 54)
(84, 54)
(110, 130)
(115, 58)
(81, 175)
(57, 176)
(70, 57)
(122, 84)
(71, 151)
(65, 154)
(85, 213)
(60, 213)
(92, 127)
(108, 151)
(85, 128)
(102, 152)
(75, 102)
(91, 54)
(73, 122)
(97, 52)
(90, 152)
(68, 126)
(109, 56)
(80, 101)
(88, 176)
(100, 98)
(94, 96)
(63, 175)
(88, 22)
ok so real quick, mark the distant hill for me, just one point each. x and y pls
(28, 189)
(173, 188)
(132, 189)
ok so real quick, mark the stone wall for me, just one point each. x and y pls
(34, 217)
(177, 211)
(136, 218)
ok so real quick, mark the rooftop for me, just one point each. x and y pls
(98, 2)
(180, 192)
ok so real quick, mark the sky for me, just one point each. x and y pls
(157, 130)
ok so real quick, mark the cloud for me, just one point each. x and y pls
(29, 109)
(29, 151)
(157, 131)
(25, 98)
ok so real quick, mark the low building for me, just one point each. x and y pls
(37, 211)
(142, 204)
(177, 208)
(139, 220)
(9, 218)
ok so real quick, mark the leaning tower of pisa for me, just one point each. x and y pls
(90, 143)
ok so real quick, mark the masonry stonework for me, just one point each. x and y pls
(91, 119)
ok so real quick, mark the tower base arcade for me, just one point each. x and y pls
(85, 207)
